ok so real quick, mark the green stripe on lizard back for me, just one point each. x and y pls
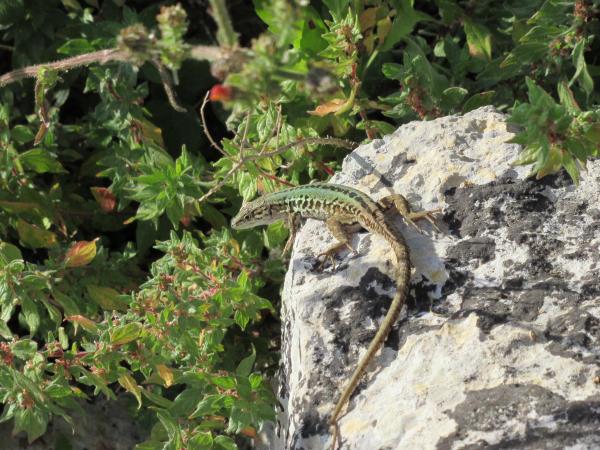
(314, 200)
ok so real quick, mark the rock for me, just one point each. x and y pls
(498, 346)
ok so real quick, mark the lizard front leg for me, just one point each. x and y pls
(342, 233)
(292, 223)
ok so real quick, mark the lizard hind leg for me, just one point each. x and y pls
(342, 233)
(401, 205)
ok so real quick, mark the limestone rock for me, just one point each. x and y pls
(498, 346)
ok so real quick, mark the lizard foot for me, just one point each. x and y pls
(329, 254)
(412, 217)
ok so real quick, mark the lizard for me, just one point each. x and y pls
(341, 208)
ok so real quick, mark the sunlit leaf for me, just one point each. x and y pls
(80, 253)
(35, 237)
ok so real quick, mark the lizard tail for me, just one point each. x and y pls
(402, 283)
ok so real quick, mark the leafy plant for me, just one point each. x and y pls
(113, 159)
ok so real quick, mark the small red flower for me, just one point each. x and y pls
(220, 93)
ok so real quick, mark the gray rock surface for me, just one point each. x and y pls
(498, 346)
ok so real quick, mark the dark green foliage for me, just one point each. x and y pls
(107, 285)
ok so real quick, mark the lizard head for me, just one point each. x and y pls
(255, 213)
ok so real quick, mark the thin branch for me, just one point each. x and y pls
(168, 86)
(303, 141)
(336, 142)
(101, 57)
(205, 126)
(226, 36)
(206, 52)
(274, 178)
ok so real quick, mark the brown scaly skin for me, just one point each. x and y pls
(341, 206)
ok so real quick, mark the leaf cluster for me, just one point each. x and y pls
(118, 271)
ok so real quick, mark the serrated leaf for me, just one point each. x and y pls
(130, 385)
(124, 334)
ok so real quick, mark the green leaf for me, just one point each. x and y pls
(31, 313)
(68, 304)
(275, 234)
(76, 47)
(157, 399)
(566, 97)
(582, 75)
(248, 186)
(63, 338)
(24, 349)
(478, 100)
(403, 24)
(225, 443)
(201, 440)
(186, 402)
(22, 134)
(41, 161)
(8, 253)
(34, 237)
(173, 430)
(5, 331)
(245, 366)
(125, 333)
(393, 71)
(209, 405)
(337, 8)
(31, 420)
(130, 385)
(241, 318)
(479, 40)
(452, 96)
(569, 164)
(88, 325)
(106, 297)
